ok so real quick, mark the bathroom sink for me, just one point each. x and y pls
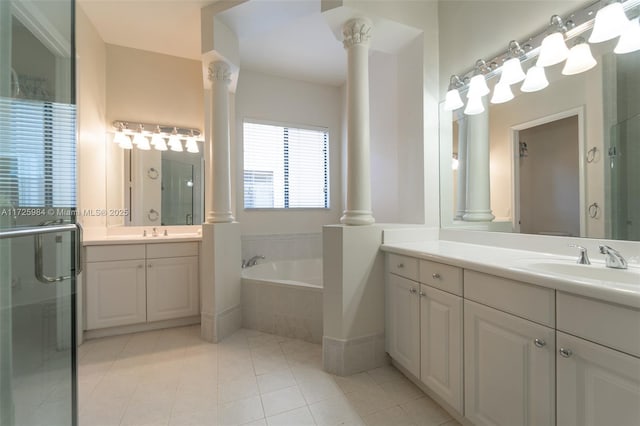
(597, 272)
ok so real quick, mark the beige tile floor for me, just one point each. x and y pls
(172, 377)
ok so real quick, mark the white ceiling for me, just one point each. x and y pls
(281, 37)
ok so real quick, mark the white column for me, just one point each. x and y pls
(478, 208)
(357, 33)
(219, 179)
(461, 189)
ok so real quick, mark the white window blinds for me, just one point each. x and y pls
(37, 154)
(285, 167)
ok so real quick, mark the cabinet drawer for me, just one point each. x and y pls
(521, 299)
(114, 252)
(439, 275)
(606, 323)
(171, 250)
(404, 266)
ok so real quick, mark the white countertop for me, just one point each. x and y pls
(521, 265)
(132, 239)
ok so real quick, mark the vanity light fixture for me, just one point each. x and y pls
(124, 135)
(191, 144)
(454, 162)
(140, 140)
(453, 100)
(610, 22)
(630, 39)
(501, 93)
(553, 49)
(157, 140)
(536, 80)
(512, 68)
(580, 58)
(174, 141)
(478, 84)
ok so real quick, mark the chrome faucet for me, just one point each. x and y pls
(155, 232)
(251, 262)
(584, 257)
(612, 258)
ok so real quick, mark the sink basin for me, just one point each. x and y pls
(597, 272)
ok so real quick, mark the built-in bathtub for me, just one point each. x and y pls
(284, 298)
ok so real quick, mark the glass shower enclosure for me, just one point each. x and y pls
(39, 239)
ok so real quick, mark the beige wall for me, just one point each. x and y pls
(91, 100)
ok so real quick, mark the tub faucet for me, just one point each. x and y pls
(612, 258)
(251, 262)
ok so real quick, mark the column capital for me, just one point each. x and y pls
(219, 70)
(356, 31)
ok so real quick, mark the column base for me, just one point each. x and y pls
(478, 216)
(220, 217)
(357, 217)
(459, 215)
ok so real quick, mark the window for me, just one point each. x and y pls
(285, 167)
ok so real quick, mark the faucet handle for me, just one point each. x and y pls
(612, 257)
(584, 257)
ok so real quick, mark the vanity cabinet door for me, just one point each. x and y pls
(596, 385)
(115, 293)
(403, 322)
(509, 369)
(172, 288)
(441, 344)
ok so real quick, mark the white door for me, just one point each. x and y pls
(172, 288)
(597, 386)
(441, 344)
(404, 323)
(509, 369)
(116, 293)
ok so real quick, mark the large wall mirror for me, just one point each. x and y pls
(565, 160)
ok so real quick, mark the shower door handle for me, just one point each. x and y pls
(39, 252)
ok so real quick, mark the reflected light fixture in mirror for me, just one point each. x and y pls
(553, 49)
(454, 162)
(610, 22)
(580, 58)
(501, 93)
(630, 38)
(474, 106)
(453, 100)
(536, 80)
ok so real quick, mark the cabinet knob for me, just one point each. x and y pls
(435, 275)
(149, 265)
(140, 266)
(539, 343)
(422, 293)
(565, 353)
(400, 265)
(412, 290)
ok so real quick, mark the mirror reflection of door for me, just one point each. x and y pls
(548, 186)
(178, 182)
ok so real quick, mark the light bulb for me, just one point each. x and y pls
(478, 87)
(120, 137)
(501, 93)
(453, 100)
(610, 22)
(630, 38)
(141, 142)
(536, 80)
(474, 106)
(125, 143)
(192, 145)
(553, 50)
(580, 60)
(512, 72)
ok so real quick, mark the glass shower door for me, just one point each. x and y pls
(38, 236)
(37, 317)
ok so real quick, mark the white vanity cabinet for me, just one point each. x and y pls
(115, 286)
(424, 324)
(509, 356)
(597, 384)
(172, 281)
(130, 284)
